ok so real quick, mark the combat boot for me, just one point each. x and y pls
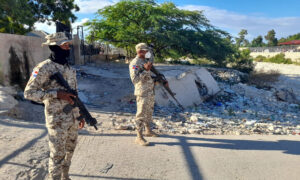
(149, 132)
(140, 139)
(65, 173)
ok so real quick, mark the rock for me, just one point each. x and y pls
(230, 76)
(194, 118)
(160, 124)
(191, 87)
(278, 131)
(287, 95)
(8, 90)
(183, 131)
(252, 92)
(271, 128)
(193, 131)
(7, 101)
(122, 127)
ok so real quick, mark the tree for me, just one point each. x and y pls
(270, 37)
(173, 31)
(19, 16)
(242, 61)
(241, 41)
(257, 42)
(290, 38)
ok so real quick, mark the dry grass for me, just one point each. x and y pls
(263, 79)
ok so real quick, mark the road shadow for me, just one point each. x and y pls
(186, 142)
(22, 149)
(286, 146)
(21, 124)
(106, 177)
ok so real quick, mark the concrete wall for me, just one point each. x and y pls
(294, 56)
(292, 51)
(18, 56)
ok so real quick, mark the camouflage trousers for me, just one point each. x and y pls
(63, 133)
(145, 107)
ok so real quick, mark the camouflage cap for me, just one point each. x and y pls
(141, 46)
(58, 38)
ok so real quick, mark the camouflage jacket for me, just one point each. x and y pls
(143, 83)
(43, 90)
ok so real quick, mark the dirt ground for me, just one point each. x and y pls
(111, 154)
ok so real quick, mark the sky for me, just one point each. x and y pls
(257, 16)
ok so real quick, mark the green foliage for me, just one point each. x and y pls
(260, 58)
(279, 59)
(241, 41)
(257, 42)
(242, 61)
(290, 38)
(180, 62)
(203, 62)
(173, 31)
(270, 37)
(19, 16)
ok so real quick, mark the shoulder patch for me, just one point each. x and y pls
(135, 67)
(34, 73)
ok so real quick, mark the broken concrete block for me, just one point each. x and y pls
(7, 101)
(191, 87)
(287, 95)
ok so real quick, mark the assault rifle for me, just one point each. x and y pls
(84, 113)
(162, 79)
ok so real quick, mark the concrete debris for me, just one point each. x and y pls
(230, 76)
(191, 87)
(287, 95)
(7, 101)
(237, 108)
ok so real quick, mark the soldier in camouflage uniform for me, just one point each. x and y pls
(62, 127)
(144, 91)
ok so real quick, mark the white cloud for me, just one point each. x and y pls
(92, 6)
(256, 25)
(79, 23)
(52, 28)
(45, 27)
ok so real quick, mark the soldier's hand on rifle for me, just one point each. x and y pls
(148, 66)
(65, 96)
(81, 124)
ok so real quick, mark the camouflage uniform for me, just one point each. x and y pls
(144, 92)
(62, 129)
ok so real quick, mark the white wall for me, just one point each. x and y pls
(295, 56)
(31, 45)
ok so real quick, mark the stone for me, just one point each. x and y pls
(287, 95)
(194, 118)
(7, 101)
(191, 87)
(193, 131)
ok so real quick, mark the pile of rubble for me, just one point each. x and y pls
(239, 109)
(225, 106)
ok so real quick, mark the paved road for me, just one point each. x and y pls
(24, 152)
(187, 157)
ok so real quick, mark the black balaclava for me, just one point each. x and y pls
(58, 55)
